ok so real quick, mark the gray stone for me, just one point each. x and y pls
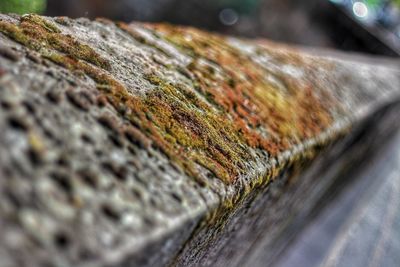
(125, 145)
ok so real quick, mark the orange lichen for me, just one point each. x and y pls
(243, 92)
(242, 109)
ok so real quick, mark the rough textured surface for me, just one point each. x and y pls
(152, 144)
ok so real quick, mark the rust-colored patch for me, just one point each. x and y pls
(244, 93)
(241, 110)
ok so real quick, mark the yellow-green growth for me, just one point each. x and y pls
(218, 134)
(40, 34)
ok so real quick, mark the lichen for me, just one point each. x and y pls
(243, 92)
(43, 36)
(207, 137)
(216, 122)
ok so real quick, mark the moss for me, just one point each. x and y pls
(242, 110)
(204, 136)
(50, 27)
(15, 33)
(245, 94)
(41, 35)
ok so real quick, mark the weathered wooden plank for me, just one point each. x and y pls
(151, 144)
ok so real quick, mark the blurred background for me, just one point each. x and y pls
(369, 26)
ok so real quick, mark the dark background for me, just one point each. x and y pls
(313, 23)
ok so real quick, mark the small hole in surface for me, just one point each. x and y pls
(176, 197)
(153, 201)
(61, 240)
(175, 168)
(110, 212)
(48, 134)
(162, 168)
(98, 152)
(87, 139)
(132, 150)
(53, 96)
(79, 99)
(120, 172)
(116, 141)
(6, 105)
(88, 177)
(29, 107)
(17, 124)
(136, 193)
(109, 122)
(148, 221)
(34, 157)
(62, 180)
(63, 161)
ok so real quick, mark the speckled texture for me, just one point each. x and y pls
(118, 141)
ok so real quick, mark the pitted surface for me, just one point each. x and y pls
(116, 136)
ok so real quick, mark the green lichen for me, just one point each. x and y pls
(42, 35)
(39, 21)
(245, 94)
(217, 134)
(203, 135)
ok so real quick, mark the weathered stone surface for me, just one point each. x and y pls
(141, 144)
